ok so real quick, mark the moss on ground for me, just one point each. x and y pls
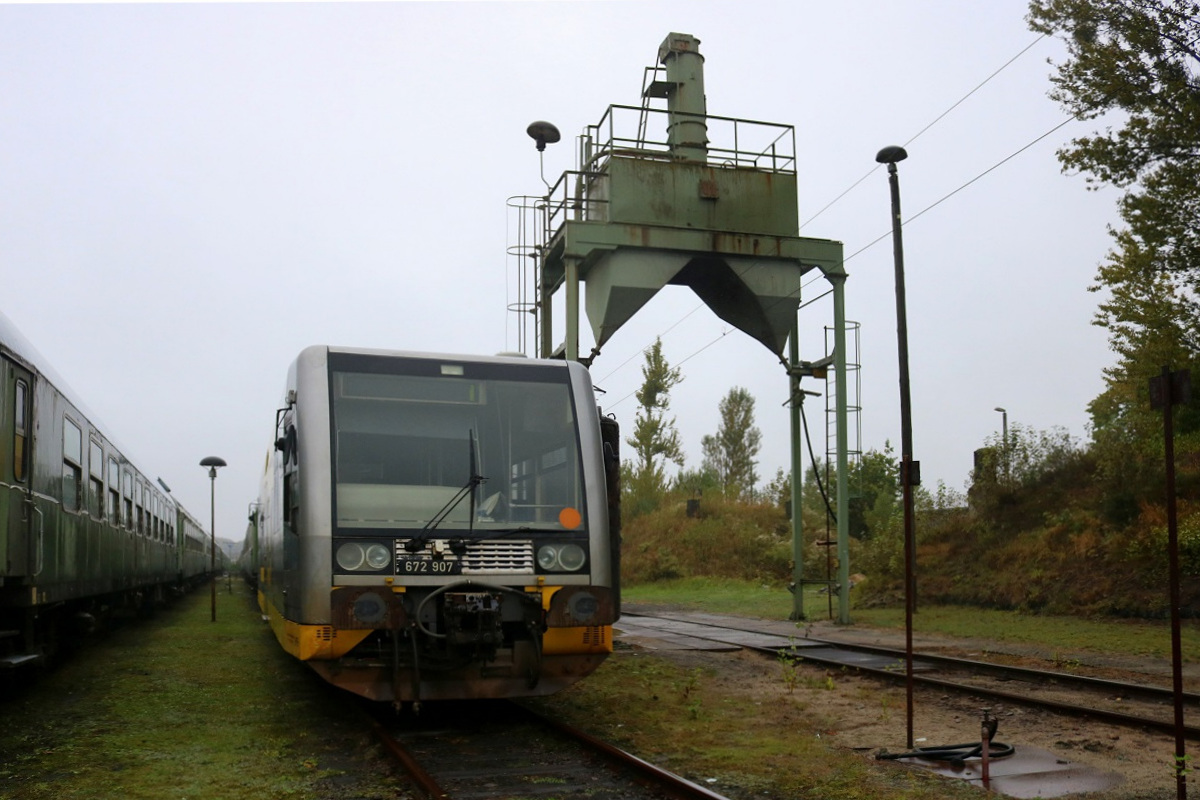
(181, 707)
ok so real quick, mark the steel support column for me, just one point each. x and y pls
(545, 317)
(838, 282)
(571, 278)
(797, 473)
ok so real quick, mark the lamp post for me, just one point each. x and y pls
(213, 462)
(910, 470)
(1004, 423)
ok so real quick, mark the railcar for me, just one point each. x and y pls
(435, 527)
(83, 531)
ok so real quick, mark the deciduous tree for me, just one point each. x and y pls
(1138, 62)
(731, 453)
(655, 439)
(1140, 58)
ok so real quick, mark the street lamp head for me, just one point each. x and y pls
(891, 154)
(212, 462)
(543, 133)
(1001, 410)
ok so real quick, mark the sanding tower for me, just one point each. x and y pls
(676, 196)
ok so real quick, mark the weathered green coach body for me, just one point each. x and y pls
(82, 530)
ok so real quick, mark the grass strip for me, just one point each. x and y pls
(182, 707)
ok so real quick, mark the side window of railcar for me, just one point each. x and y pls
(72, 464)
(20, 436)
(96, 479)
(114, 492)
(291, 482)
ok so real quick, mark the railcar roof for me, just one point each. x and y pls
(13, 341)
(501, 358)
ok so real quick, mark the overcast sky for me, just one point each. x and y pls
(191, 194)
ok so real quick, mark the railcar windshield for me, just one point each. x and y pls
(455, 444)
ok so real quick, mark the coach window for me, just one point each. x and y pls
(72, 464)
(20, 437)
(139, 514)
(114, 492)
(127, 491)
(96, 479)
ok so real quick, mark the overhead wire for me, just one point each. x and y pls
(947, 196)
(917, 135)
(861, 250)
(875, 241)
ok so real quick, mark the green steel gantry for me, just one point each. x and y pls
(712, 207)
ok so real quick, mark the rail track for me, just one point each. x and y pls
(492, 750)
(1120, 703)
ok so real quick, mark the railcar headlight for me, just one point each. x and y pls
(547, 557)
(571, 557)
(378, 556)
(561, 557)
(350, 556)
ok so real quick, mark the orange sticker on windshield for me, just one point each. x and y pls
(569, 518)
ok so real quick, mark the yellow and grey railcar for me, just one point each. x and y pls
(82, 530)
(439, 527)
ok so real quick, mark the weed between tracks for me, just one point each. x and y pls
(172, 708)
(708, 727)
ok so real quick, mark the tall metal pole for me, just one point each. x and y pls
(909, 469)
(212, 462)
(1173, 558)
(1169, 389)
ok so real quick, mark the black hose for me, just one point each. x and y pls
(954, 753)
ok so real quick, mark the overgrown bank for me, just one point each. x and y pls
(1050, 540)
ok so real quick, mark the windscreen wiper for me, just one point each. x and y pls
(418, 542)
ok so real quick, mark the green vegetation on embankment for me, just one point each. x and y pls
(1048, 533)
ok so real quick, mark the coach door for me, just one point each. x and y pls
(16, 458)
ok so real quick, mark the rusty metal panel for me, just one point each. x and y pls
(579, 606)
(665, 193)
(363, 607)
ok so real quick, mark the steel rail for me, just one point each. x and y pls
(999, 670)
(1002, 670)
(421, 777)
(1114, 717)
(661, 782)
(656, 777)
